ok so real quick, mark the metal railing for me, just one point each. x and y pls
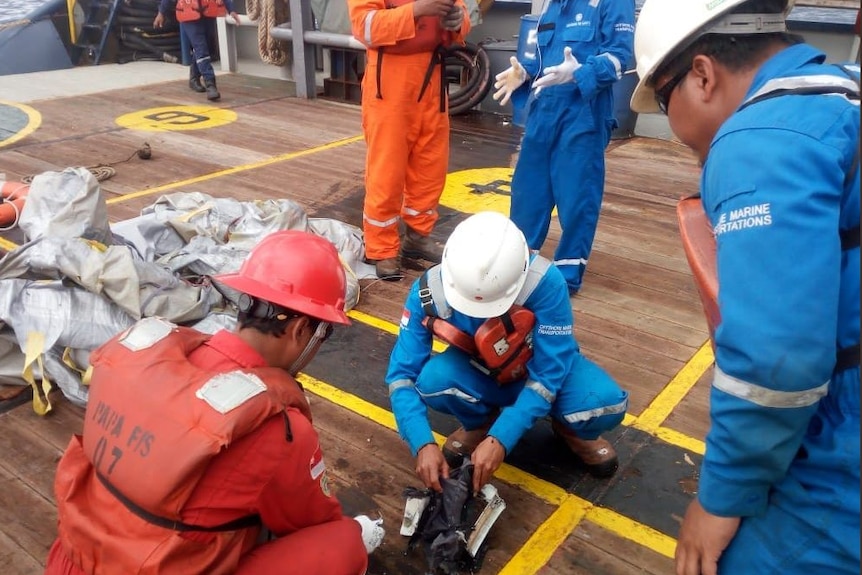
(301, 18)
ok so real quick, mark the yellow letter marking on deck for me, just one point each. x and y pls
(17, 121)
(479, 190)
(171, 118)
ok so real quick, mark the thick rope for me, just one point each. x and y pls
(268, 14)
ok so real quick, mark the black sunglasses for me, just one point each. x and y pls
(662, 95)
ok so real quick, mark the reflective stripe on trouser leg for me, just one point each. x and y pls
(196, 31)
(427, 165)
(532, 199)
(449, 384)
(590, 401)
(578, 200)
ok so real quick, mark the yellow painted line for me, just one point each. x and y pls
(236, 169)
(387, 326)
(34, 120)
(539, 548)
(674, 392)
(553, 532)
(7, 245)
(681, 440)
(643, 535)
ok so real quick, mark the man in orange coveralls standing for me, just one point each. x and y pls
(406, 122)
(192, 443)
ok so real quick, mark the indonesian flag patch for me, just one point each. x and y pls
(316, 466)
(405, 317)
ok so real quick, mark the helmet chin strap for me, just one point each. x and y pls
(319, 335)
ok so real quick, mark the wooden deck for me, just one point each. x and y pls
(638, 316)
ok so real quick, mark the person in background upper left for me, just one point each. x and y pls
(196, 19)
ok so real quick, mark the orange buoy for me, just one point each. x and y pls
(12, 198)
(698, 242)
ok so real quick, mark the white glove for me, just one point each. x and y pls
(453, 19)
(372, 532)
(561, 74)
(509, 80)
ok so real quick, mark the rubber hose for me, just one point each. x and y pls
(475, 60)
(456, 64)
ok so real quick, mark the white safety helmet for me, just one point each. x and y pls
(667, 27)
(484, 265)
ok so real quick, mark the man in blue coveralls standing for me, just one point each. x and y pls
(777, 132)
(584, 46)
(512, 358)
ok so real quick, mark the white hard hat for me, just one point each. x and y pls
(666, 27)
(484, 265)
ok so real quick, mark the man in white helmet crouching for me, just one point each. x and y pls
(777, 131)
(512, 358)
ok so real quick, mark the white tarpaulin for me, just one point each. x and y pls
(78, 280)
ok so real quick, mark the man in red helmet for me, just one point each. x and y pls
(192, 444)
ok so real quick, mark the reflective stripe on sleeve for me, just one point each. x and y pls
(543, 391)
(368, 18)
(454, 391)
(764, 396)
(400, 384)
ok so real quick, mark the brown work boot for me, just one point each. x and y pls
(461, 443)
(388, 269)
(598, 455)
(416, 246)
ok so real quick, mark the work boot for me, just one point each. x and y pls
(388, 269)
(212, 91)
(597, 455)
(462, 443)
(195, 83)
(416, 246)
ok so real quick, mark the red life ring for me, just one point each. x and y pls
(12, 198)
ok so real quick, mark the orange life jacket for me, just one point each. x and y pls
(429, 34)
(190, 10)
(501, 346)
(153, 423)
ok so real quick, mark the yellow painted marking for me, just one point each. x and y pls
(235, 170)
(553, 532)
(34, 120)
(674, 392)
(387, 326)
(643, 535)
(539, 548)
(479, 190)
(177, 118)
(6, 245)
(681, 440)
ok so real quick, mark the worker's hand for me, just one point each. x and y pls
(561, 74)
(509, 80)
(235, 17)
(486, 459)
(703, 537)
(372, 532)
(159, 20)
(452, 21)
(438, 8)
(431, 465)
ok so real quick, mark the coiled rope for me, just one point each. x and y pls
(268, 14)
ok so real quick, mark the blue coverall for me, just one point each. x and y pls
(199, 34)
(780, 182)
(568, 126)
(560, 380)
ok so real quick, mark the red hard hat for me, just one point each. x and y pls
(296, 270)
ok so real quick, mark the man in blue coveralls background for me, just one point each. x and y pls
(487, 271)
(583, 48)
(777, 132)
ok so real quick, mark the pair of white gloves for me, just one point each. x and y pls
(372, 532)
(512, 77)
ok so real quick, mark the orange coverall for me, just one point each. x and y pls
(407, 137)
(260, 473)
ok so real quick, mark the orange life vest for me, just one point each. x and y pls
(153, 423)
(429, 34)
(190, 10)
